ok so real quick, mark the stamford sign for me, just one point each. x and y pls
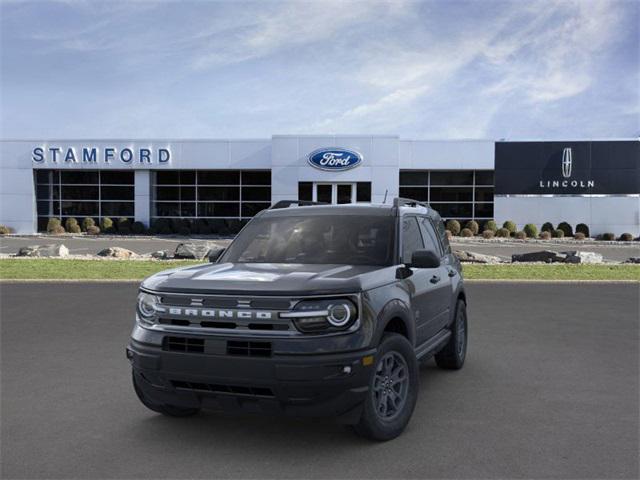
(334, 159)
(95, 155)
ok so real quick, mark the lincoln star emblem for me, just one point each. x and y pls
(567, 160)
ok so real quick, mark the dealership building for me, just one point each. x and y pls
(596, 182)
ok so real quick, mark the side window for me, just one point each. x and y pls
(430, 237)
(411, 238)
(443, 236)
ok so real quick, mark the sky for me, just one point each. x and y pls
(420, 70)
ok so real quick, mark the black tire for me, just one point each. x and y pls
(452, 356)
(375, 424)
(169, 410)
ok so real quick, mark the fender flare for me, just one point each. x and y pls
(395, 309)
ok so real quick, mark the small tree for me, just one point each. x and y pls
(566, 228)
(473, 226)
(510, 225)
(453, 226)
(88, 222)
(547, 227)
(531, 230)
(583, 228)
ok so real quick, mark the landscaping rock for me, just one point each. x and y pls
(215, 252)
(632, 260)
(197, 251)
(473, 257)
(51, 250)
(582, 257)
(116, 252)
(546, 256)
(160, 255)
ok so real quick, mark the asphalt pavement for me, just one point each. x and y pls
(549, 390)
(91, 245)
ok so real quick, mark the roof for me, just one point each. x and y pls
(372, 209)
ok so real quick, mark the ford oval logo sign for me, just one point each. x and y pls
(334, 159)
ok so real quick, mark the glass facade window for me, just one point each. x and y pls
(79, 194)
(455, 194)
(219, 194)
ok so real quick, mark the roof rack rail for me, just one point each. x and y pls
(301, 203)
(408, 202)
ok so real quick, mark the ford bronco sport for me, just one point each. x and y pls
(320, 310)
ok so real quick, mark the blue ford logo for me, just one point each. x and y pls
(334, 159)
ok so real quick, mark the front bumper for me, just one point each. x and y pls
(300, 385)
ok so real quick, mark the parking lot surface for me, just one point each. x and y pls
(550, 390)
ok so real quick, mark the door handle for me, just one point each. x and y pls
(452, 273)
(435, 279)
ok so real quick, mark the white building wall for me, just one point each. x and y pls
(17, 188)
(447, 154)
(617, 214)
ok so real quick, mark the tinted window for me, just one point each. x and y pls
(430, 237)
(440, 228)
(317, 239)
(411, 238)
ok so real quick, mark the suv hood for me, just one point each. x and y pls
(271, 279)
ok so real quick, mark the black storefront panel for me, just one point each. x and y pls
(570, 168)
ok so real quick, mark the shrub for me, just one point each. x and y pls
(124, 226)
(491, 225)
(54, 223)
(466, 232)
(106, 225)
(626, 237)
(521, 235)
(161, 226)
(545, 235)
(583, 228)
(608, 236)
(473, 226)
(453, 226)
(138, 228)
(579, 236)
(57, 230)
(557, 233)
(547, 227)
(503, 233)
(93, 230)
(509, 225)
(87, 222)
(69, 223)
(74, 228)
(4, 230)
(488, 234)
(566, 228)
(531, 230)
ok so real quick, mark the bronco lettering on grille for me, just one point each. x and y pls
(214, 313)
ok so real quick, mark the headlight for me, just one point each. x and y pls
(316, 316)
(147, 304)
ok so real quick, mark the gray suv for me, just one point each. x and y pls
(321, 310)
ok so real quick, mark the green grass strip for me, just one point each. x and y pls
(61, 269)
(552, 272)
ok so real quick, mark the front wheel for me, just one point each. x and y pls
(452, 356)
(393, 390)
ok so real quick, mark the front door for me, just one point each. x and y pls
(334, 193)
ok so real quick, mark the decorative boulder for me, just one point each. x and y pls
(197, 251)
(632, 260)
(473, 257)
(583, 257)
(160, 255)
(51, 250)
(116, 252)
(546, 256)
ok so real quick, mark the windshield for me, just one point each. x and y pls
(330, 239)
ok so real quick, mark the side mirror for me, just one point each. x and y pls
(214, 255)
(424, 259)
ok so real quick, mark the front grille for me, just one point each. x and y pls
(183, 344)
(229, 389)
(228, 325)
(249, 349)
